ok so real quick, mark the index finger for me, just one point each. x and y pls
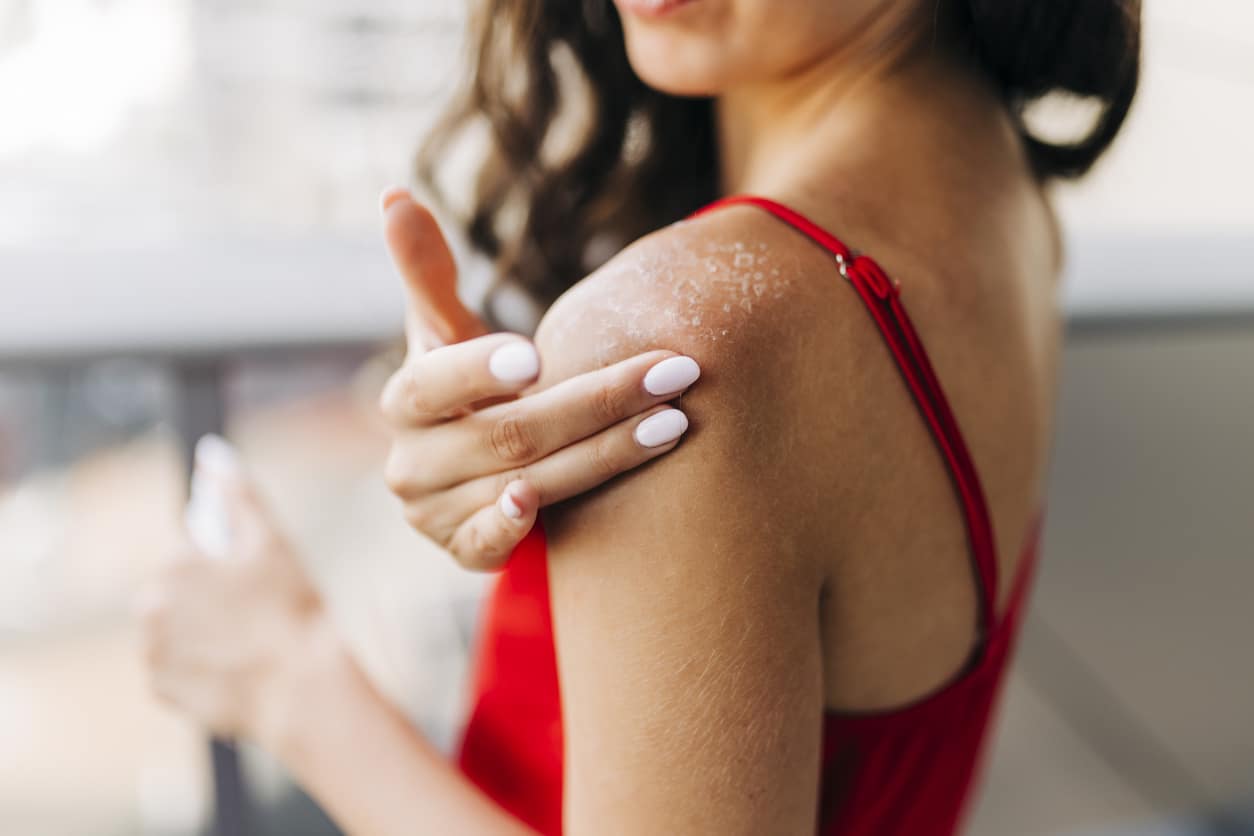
(426, 265)
(439, 383)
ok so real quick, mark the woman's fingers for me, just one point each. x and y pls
(439, 383)
(425, 263)
(523, 431)
(461, 518)
(485, 541)
(589, 463)
(475, 484)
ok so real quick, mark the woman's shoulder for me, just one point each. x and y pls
(787, 356)
(735, 289)
(792, 363)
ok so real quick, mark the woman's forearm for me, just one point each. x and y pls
(355, 753)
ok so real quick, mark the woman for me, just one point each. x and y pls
(798, 617)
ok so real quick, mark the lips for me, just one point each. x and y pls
(651, 8)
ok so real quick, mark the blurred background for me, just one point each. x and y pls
(163, 160)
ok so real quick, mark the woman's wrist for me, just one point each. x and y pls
(317, 668)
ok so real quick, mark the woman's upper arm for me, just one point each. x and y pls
(687, 624)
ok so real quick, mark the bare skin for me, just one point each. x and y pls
(801, 549)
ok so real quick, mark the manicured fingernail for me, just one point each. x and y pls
(508, 506)
(216, 455)
(390, 195)
(662, 428)
(514, 362)
(674, 374)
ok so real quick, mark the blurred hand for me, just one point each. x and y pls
(472, 461)
(221, 634)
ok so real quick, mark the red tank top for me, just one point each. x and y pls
(907, 770)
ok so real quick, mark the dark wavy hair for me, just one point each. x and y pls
(642, 159)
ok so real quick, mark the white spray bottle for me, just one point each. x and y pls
(206, 516)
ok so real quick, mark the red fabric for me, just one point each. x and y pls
(908, 770)
(512, 745)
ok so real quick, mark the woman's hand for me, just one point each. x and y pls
(471, 460)
(223, 636)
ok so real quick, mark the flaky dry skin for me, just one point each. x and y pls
(679, 280)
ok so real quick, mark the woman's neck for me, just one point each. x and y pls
(801, 125)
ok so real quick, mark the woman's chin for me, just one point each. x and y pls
(675, 71)
(681, 87)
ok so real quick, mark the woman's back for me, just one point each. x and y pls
(963, 228)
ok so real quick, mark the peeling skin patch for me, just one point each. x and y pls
(703, 289)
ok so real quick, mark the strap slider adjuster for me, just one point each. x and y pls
(879, 284)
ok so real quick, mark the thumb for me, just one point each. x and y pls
(225, 514)
(422, 256)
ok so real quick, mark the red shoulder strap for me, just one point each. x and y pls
(882, 298)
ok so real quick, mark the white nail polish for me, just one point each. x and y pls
(385, 197)
(508, 506)
(514, 362)
(674, 374)
(662, 428)
(207, 517)
(216, 455)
